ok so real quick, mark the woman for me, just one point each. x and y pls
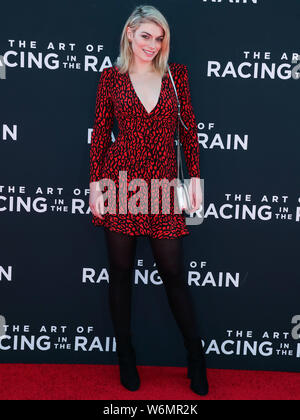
(139, 92)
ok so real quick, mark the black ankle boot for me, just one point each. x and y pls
(196, 366)
(129, 376)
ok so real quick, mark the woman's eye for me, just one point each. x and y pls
(146, 36)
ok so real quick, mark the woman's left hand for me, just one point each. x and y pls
(195, 192)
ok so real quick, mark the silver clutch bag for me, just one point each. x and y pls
(182, 194)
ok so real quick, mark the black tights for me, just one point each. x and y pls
(168, 255)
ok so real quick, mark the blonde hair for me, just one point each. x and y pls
(144, 14)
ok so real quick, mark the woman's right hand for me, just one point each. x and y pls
(96, 201)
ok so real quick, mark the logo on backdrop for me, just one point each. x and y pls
(235, 205)
(83, 338)
(255, 206)
(253, 343)
(54, 337)
(257, 65)
(198, 275)
(31, 54)
(232, 2)
(6, 274)
(212, 139)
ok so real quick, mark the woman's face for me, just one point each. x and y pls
(146, 41)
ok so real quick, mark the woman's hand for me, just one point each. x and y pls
(96, 201)
(195, 193)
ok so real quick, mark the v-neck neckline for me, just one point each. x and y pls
(140, 102)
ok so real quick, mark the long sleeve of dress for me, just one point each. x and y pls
(189, 138)
(103, 122)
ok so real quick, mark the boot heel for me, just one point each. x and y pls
(196, 369)
(129, 376)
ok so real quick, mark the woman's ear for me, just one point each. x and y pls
(129, 34)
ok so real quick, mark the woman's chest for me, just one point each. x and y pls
(133, 103)
(147, 89)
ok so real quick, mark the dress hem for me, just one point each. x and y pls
(143, 234)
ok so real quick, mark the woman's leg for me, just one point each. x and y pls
(168, 254)
(121, 253)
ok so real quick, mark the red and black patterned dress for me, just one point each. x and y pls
(144, 148)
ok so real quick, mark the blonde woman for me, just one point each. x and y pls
(137, 90)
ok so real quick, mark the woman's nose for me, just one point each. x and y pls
(152, 44)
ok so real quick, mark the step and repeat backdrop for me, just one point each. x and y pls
(242, 262)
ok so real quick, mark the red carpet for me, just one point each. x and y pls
(97, 382)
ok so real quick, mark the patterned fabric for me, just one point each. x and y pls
(144, 148)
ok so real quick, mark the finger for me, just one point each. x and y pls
(193, 201)
(99, 211)
(95, 210)
(100, 206)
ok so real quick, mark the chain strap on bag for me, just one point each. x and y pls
(183, 196)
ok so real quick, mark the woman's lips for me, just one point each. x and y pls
(148, 52)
